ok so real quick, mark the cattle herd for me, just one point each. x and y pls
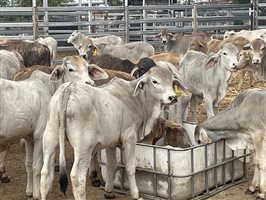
(114, 94)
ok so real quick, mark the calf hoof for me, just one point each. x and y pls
(4, 178)
(250, 192)
(95, 182)
(29, 197)
(109, 195)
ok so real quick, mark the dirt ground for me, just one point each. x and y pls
(15, 190)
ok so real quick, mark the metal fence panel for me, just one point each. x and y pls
(132, 23)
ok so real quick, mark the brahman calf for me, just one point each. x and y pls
(245, 64)
(77, 39)
(33, 53)
(10, 63)
(52, 44)
(114, 115)
(24, 107)
(243, 125)
(206, 76)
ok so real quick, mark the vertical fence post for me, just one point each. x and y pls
(251, 14)
(79, 17)
(89, 15)
(126, 22)
(144, 14)
(35, 19)
(256, 13)
(194, 19)
(46, 28)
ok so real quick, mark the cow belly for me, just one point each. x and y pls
(15, 127)
(19, 113)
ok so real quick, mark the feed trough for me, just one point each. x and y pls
(164, 172)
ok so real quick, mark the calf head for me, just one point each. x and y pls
(256, 48)
(198, 45)
(85, 48)
(158, 82)
(201, 136)
(89, 50)
(74, 36)
(164, 36)
(244, 59)
(245, 62)
(229, 34)
(142, 67)
(227, 57)
(76, 68)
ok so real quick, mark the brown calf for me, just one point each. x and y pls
(26, 73)
(215, 45)
(170, 57)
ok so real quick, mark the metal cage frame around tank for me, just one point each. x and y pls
(208, 192)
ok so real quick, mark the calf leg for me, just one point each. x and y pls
(256, 178)
(3, 154)
(79, 171)
(37, 166)
(111, 165)
(262, 170)
(95, 172)
(47, 172)
(28, 165)
(209, 105)
(193, 103)
(240, 77)
(251, 79)
(129, 155)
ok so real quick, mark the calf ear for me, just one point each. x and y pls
(140, 84)
(101, 46)
(211, 61)
(57, 73)
(246, 47)
(171, 35)
(158, 36)
(178, 82)
(135, 72)
(97, 73)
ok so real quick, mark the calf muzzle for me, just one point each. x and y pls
(173, 99)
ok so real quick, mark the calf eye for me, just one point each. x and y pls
(70, 70)
(154, 82)
(224, 53)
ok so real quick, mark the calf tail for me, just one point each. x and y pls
(63, 180)
(62, 160)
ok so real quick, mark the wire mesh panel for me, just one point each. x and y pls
(175, 173)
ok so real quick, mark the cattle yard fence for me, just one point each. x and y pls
(132, 23)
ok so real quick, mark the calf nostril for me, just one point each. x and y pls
(256, 61)
(83, 56)
(173, 99)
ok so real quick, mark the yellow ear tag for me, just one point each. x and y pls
(94, 52)
(178, 91)
(246, 57)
